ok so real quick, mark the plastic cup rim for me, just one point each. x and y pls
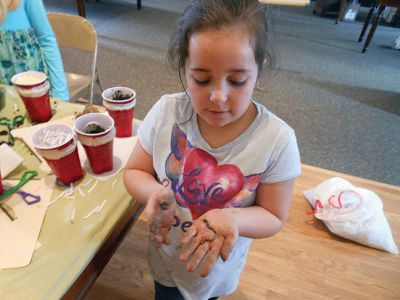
(79, 132)
(16, 76)
(105, 98)
(53, 147)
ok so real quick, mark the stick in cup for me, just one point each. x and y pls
(33, 87)
(96, 133)
(57, 144)
(120, 103)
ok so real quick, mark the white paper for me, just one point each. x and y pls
(18, 238)
(10, 160)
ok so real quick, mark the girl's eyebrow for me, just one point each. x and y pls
(229, 71)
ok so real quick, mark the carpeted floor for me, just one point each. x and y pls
(344, 105)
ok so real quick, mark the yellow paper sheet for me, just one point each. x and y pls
(18, 238)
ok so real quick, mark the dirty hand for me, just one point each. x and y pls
(160, 209)
(211, 235)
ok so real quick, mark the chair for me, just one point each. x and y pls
(75, 32)
(381, 5)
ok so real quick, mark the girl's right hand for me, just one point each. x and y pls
(160, 209)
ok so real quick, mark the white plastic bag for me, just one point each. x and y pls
(353, 213)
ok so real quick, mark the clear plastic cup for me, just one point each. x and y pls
(122, 111)
(98, 145)
(57, 144)
(33, 87)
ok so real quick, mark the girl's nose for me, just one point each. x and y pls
(218, 95)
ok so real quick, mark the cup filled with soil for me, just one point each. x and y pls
(120, 103)
(96, 132)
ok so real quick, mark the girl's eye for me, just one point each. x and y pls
(237, 83)
(202, 82)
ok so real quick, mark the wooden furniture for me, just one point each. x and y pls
(303, 261)
(81, 8)
(381, 5)
(76, 32)
(342, 6)
(72, 254)
(306, 261)
(324, 6)
(82, 11)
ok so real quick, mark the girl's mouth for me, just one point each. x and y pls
(218, 112)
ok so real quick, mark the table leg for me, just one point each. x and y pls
(367, 20)
(373, 27)
(341, 10)
(81, 8)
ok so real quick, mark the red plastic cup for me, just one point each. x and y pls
(98, 146)
(121, 111)
(33, 87)
(57, 144)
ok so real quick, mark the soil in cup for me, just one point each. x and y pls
(119, 95)
(93, 128)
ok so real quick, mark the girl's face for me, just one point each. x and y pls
(221, 73)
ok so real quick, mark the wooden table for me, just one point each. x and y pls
(71, 256)
(303, 261)
(306, 261)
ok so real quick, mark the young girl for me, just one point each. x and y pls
(214, 168)
(27, 42)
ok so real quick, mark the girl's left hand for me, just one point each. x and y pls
(211, 235)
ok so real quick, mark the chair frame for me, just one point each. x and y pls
(65, 43)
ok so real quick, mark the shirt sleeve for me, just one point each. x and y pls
(48, 45)
(284, 163)
(148, 127)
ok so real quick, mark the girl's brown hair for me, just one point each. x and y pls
(203, 15)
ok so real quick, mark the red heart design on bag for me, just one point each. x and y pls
(205, 185)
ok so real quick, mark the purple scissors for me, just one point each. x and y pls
(28, 198)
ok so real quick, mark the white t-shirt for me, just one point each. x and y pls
(205, 178)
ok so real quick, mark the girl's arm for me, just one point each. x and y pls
(139, 175)
(48, 45)
(140, 181)
(269, 214)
